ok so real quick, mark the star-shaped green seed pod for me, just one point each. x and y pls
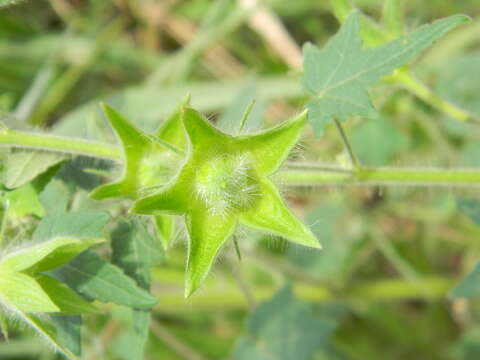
(150, 161)
(225, 181)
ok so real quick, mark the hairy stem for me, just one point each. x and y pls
(60, 144)
(308, 175)
(377, 291)
(383, 176)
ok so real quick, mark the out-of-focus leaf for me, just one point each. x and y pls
(76, 173)
(284, 328)
(95, 278)
(457, 85)
(3, 326)
(469, 287)
(470, 208)
(24, 166)
(130, 344)
(467, 347)
(135, 251)
(329, 262)
(338, 76)
(9, 2)
(376, 140)
(144, 106)
(229, 121)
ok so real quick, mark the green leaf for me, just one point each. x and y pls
(95, 278)
(55, 198)
(135, 251)
(46, 255)
(284, 328)
(24, 166)
(61, 331)
(330, 263)
(376, 141)
(339, 74)
(457, 85)
(73, 224)
(130, 344)
(469, 287)
(470, 208)
(69, 302)
(23, 293)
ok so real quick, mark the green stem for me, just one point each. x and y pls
(375, 291)
(245, 116)
(60, 144)
(310, 176)
(406, 79)
(346, 143)
(383, 176)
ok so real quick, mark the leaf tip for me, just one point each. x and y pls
(186, 100)
(464, 18)
(190, 287)
(105, 191)
(307, 46)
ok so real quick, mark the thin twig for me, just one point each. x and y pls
(346, 143)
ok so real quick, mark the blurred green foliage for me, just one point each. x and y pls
(382, 286)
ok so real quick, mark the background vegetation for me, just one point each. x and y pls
(380, 289)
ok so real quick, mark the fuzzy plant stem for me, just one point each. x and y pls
(39, 141)
(308, 175)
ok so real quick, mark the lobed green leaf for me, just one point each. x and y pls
(338, 76)
(285, 328)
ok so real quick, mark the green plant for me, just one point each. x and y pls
(212, 179)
